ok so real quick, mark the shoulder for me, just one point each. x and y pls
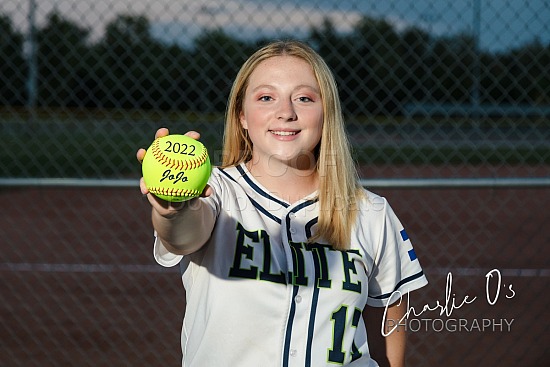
(225, 173)
(224, 176)
(234, 174)
(228, 183)
(374, 217)
(371, 203)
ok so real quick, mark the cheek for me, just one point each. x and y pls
(320, 126)
(252, 118)
(318, 122)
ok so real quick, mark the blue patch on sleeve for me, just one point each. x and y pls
(412, 255)
(404, 235)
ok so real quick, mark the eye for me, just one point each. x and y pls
(265, 98)
(305, 99)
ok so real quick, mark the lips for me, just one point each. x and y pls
(283, 133)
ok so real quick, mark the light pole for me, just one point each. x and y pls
(32, 62)
(476, 67)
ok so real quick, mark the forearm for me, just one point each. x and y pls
(186, 230)
(389, 350)
(397, 339)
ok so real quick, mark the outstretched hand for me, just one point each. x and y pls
(166, 208)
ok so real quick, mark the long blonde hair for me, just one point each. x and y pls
(339, 188)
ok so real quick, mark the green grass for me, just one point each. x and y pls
(89, 145)
(102, 144)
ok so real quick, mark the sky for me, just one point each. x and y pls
(503, 24)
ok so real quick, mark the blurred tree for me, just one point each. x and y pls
(62, 46)
(533, 74)
(416, 58)
(377, 41)
(134, 70)
(453, 70)
(217, 58)
(13, 69)
(127, 55)
(378, 68)
(342, 53)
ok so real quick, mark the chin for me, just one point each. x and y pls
(304, 160)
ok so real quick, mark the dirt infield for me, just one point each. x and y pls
(80, 288)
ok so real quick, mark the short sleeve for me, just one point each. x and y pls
(163, 256)
(397, 269)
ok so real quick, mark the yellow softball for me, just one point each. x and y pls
(176, 168)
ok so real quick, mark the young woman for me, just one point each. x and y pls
(285, 259)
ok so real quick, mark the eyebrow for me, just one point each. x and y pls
(301, 86)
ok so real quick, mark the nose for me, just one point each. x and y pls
(286, 111)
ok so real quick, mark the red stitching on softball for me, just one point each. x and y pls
(174, 192)
(177, 163)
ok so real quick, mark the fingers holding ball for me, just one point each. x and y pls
(175, 168)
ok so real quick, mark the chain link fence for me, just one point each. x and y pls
(448, 108)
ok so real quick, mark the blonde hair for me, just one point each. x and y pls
(339, 188)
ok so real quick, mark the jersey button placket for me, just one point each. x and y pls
(292, 217)
(293, 353)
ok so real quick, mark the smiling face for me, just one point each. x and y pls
(283, 112)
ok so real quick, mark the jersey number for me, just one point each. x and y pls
(336, 354)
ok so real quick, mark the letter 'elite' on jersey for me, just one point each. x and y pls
(259, 294)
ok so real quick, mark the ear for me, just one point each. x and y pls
(242, 119)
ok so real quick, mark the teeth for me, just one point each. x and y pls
(284, 133)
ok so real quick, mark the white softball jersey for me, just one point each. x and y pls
(259, 295)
